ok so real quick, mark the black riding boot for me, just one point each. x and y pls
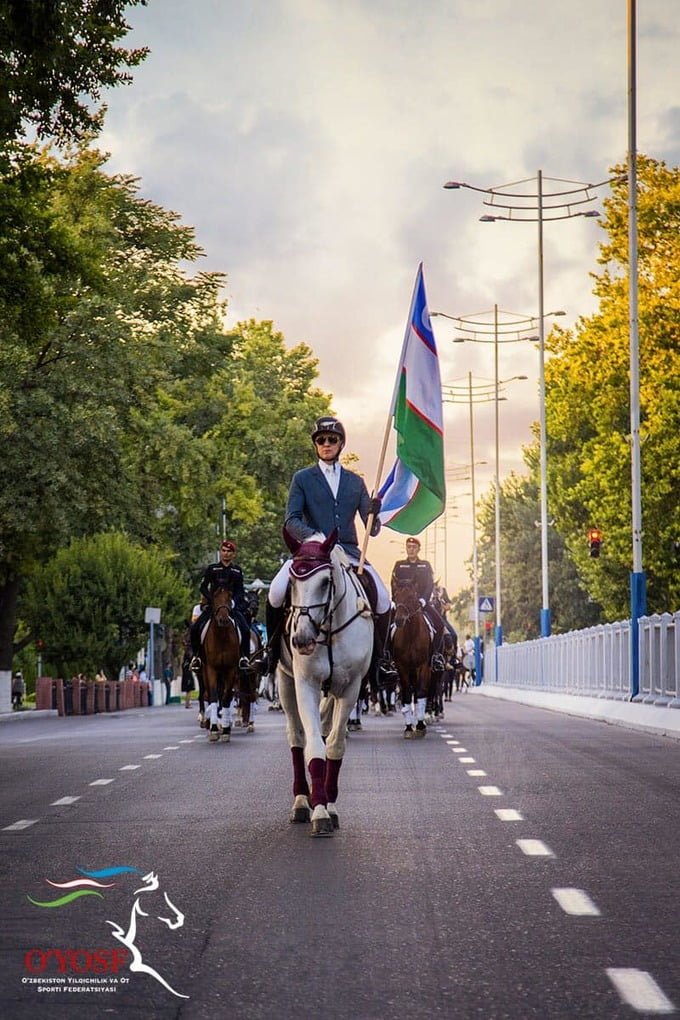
(274, 616)
(381, 635)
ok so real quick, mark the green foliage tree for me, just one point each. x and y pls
(87, 603)
(54, 55)
(588, 403)
(98, 317)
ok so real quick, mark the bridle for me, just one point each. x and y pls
(221, 614)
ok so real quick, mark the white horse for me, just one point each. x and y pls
(330, 626)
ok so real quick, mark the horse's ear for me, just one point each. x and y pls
(290, 540)
(330, 542)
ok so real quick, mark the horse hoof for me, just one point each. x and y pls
(213, 736)
(322, 827)
(251, 727)
(421, 729)
(226, 735)
(301, 810)
(408, 733)
(334, 816)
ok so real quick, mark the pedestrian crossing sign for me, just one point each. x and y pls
(486, 604)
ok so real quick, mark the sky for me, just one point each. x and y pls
(307, 142)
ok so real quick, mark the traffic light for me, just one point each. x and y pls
(594, 541)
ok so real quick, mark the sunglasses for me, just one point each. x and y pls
(332, 440)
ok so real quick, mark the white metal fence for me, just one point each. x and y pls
(595, 662)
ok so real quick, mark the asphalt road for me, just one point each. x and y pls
(515, 864)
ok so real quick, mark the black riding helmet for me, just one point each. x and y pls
(328, 426)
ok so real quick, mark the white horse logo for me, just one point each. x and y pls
(128, 938)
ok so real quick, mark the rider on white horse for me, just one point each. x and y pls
(322, 498)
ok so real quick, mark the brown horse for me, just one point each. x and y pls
(221, 649)
(412, 655)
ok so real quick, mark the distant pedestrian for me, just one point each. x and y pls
(167, 680)
(18, 690)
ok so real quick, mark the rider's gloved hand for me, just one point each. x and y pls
(422, 602)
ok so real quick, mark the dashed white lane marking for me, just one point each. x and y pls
(187, 741)
(534, 848)
(23, 823)
(153, 755)
(576, 902)
(172, 747)
(459, 750)
(489, 791)
(128, 768)
(467, 761)
(508, 814)
(476, 772)
(453, 742)
(638, 989)
(64, 800)
(101, 782)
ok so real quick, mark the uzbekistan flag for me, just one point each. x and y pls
(414, 493)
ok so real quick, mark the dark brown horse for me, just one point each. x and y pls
(221, 648)
(412, 655)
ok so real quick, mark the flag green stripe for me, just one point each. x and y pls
(419, 446)
(423, 508)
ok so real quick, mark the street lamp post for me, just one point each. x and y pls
(478, 328)
(529, 206)
(482, 393)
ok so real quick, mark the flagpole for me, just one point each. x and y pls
(388, 424)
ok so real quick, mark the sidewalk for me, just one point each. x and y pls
(664, 722)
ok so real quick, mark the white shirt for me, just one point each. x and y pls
(331, 473)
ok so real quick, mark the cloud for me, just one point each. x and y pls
(307, 141)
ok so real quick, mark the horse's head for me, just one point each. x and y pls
(311, 578)
(221, 606)
(406, 602)
(164, 910)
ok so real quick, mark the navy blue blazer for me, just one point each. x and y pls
(312, 507)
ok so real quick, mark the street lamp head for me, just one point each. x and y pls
(487, 218)
(588, 214)
(451, 185)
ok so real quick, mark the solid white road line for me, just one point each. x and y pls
(489, 791)
(23, 823)
(64, 800)
(534, 848)
(101, 782)
(638, 989)
(576, 902)
(508, 814)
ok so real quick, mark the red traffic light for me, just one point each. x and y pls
(594, 541)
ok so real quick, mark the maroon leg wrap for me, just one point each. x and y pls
(317, 770)
(299, 775)
(331, 778)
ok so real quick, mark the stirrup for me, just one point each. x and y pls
(244, 662)
(438, 664)
(195, 663)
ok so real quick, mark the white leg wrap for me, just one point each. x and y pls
(420, 709)
(407, 713)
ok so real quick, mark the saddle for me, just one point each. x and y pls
(369, 587)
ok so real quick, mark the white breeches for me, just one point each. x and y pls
(279, 585)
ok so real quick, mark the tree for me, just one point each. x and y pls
(53, 55)
(98, 317)
(587, 403)
(87, 603)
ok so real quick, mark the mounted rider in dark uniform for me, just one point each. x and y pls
(223, 574)
(419, 572)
